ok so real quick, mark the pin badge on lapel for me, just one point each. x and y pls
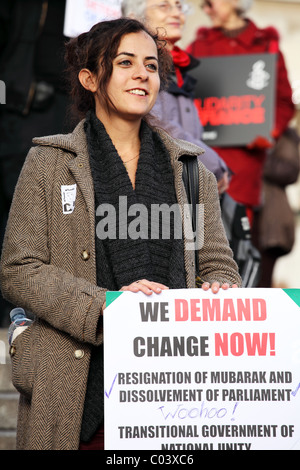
(68, 197)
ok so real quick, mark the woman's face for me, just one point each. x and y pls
(221, 12)
(134, 84)
(167, 15)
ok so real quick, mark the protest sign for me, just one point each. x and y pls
(81, 15)
(235, 97)
(192, 370)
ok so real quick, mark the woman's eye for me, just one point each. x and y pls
(125, 62)
(152, 67)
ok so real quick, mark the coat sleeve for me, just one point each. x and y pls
(167, 115)
(285, 108)
(28, 278)
(216, 261)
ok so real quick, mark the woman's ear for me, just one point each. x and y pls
(88, 80)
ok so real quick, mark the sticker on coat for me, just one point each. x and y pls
(68, 197)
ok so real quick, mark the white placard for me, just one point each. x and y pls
(81, 15)
(189, 370)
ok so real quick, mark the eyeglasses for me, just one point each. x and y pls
(167, 7)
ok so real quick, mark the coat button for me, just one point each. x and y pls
(12, 351)
(79, 353)
(85, 255)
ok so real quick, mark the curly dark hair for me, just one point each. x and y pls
(96, 49)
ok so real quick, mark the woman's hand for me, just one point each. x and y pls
(148, 287)
(223, 183)
(215, 286)
(143, 285)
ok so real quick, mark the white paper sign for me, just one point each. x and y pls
(189, 370)
(81, 15)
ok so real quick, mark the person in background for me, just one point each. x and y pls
(233, 33)
(174, 110)
(56, 261)
(32, 68)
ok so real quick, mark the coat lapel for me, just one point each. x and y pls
(80, 169)
(75, 145)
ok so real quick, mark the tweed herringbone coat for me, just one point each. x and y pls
(48, 267)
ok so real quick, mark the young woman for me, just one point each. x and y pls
(58, 264)
(174, 109)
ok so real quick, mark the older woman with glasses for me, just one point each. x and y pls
(174, 110)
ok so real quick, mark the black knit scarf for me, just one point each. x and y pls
(158, 255)
(128, 258)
